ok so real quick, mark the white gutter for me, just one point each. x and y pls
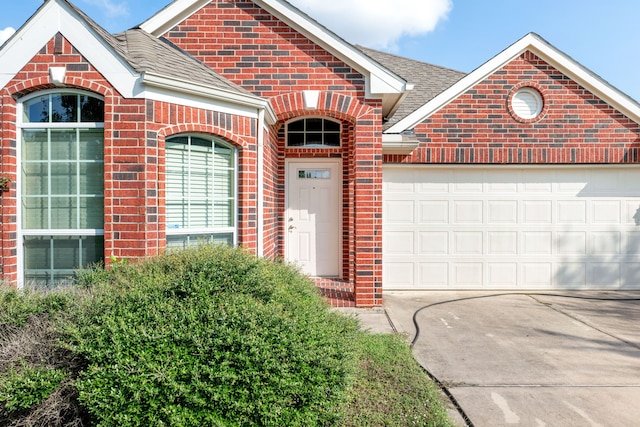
(183, 86)
(260, 208)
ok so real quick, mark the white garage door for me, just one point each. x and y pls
(511, 227)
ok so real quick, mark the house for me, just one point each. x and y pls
(246, 122)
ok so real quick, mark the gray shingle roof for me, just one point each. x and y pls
(148, 54)
(429, 80)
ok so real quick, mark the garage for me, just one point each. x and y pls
(511, 227)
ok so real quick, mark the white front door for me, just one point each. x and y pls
(312, 223)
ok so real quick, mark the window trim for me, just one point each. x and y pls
(188, 231)
(21, 126)
(305, 132)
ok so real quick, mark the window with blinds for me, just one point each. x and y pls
(62, 186)
(201, 191)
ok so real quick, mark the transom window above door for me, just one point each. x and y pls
(314, 132)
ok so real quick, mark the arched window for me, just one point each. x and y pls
(313, 132)
(62, 185)
(201, 196)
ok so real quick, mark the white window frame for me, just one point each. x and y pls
(209, 231)
(305, 132)
(21, 125)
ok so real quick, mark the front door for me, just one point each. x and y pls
(312, 223)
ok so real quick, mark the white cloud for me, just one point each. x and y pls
(5, 34)
(377, 23)
(111, 8)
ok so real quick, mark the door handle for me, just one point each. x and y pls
(292, 227)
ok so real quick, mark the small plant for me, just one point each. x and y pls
(5, 182)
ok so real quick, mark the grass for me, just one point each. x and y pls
(208, 337)
(390, 388)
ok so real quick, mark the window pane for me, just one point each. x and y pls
(37, 110)
(64, 108)
(91, 213)
(297, 126)
(314, 139)
(332, 139)
(91, 178)
(64, 145)
(35, 213)
(295, 140)
(91, 109)
(35, 179)
(92, 250)
(314, 125)
(224, 185)
(63, 178)
(223, 214)
(35, 144)
(176, 213)
(66, 253)
(37, 253)
(64, 213)
(91, 144)
(330, 126)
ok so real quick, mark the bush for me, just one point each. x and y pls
(35, 372)
(210, 336)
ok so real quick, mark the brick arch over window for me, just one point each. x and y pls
(25, 87)
(186, 128)
(330, 104)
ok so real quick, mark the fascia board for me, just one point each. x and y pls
(56, 17)
(544, 50)
(171, 16)
(237, 102)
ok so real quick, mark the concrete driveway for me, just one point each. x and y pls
(527, 359)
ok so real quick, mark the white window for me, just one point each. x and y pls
(201, 176)
(62, 185)
(313, 132)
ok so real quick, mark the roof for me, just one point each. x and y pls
(148, 54)
(543, 49)
(429, 80)
(158, 56)
(136, 63)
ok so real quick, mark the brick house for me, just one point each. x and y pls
(246, 122)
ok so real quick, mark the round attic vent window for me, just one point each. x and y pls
(527, 103)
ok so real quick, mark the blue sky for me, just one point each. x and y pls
(459, 34)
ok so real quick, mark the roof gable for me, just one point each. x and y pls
(134, 62)
(541, 48)
(380, 81)
(93, 42)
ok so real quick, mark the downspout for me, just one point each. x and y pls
(260, 208)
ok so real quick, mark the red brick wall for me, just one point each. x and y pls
(260, 53)
(574, 127)
(135, 130)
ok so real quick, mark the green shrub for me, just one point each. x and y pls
(17, 307)
(24, 388)
(210, 336)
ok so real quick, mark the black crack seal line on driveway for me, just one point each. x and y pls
(445, 390)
